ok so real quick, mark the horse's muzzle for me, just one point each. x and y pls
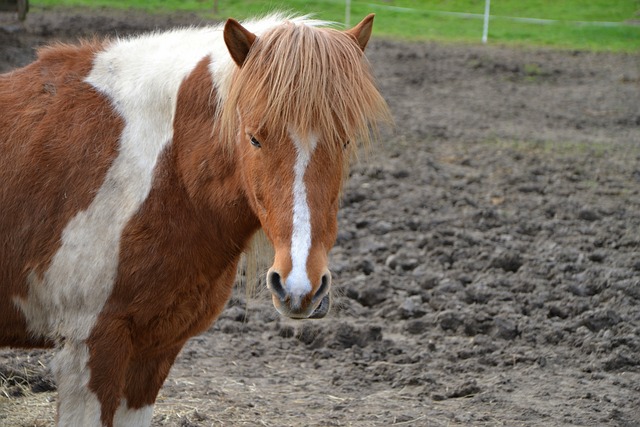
(295, 306)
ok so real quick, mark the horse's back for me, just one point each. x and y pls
(58, 138)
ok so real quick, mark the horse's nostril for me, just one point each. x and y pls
(325, 283)
(274, 282)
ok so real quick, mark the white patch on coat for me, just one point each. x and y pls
(297, 283)
(126, 417)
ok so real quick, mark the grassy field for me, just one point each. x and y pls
(572, 24)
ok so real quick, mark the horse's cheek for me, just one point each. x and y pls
(332, 229)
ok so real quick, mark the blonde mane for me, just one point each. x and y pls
(309, 80)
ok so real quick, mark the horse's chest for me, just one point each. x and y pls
(176, 307)
(175, 275)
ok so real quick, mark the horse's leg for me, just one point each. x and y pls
(145, 377)
(77, 405)
(101, 384)
(146, 373)
(90, 377)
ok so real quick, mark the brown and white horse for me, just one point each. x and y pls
(133, 174)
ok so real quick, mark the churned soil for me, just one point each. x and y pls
(487, 265)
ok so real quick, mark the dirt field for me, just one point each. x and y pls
(488, 260)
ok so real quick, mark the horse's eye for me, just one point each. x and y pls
(255, 142)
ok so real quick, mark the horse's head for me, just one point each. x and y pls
(299, 95)
(293, 184)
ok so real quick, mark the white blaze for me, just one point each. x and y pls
(297, 283)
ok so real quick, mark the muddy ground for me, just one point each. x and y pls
(488, 260)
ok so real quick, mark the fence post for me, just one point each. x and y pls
(347, 14)
(485, 29)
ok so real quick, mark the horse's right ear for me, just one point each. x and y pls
(238, 40)
(362, 31)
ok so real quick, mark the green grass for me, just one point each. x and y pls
(575, 30)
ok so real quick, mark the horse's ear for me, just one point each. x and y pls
(362, 31)
(238, 40)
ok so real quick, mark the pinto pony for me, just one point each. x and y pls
(133, 174)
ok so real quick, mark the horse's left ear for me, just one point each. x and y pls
(362, 31)
(238, 40)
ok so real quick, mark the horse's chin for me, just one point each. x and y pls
(322, 309)
(318, 313)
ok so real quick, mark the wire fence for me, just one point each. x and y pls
(486, 17)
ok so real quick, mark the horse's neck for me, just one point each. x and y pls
(213, 183)
(208, 167)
